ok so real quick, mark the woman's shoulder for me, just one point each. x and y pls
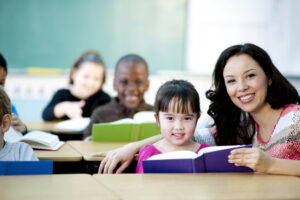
(290, 109)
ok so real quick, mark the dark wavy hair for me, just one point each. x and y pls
(183, 92)
(235, 126)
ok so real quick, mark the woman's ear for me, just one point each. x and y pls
(156, 119)
(6, 122)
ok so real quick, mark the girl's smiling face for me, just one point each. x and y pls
(246, 83)
(87, 79)
(177, 128)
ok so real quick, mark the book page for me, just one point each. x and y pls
(218, 148)
(73, 124)
(12, 135)
(174, 155)
(36, 137)
(122, 121)
(144, 116)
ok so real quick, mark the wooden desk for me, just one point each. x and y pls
(85, 148)
(202, 186)
(49, 127)
(65, 154)
(49, 187)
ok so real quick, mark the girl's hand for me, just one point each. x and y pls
(68, 108)
(123, 155)
(254, 158)
(17, 124)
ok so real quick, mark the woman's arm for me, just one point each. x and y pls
(259, 161)
(123, 155)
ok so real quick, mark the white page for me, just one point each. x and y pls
(73, 124)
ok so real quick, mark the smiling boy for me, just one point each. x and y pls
(130, 82)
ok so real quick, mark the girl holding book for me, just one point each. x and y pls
(177, 109)
(251, 102)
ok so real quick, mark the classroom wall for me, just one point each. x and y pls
(53, 33)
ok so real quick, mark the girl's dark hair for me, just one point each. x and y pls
(3, 63)
(183, 92)
(89, 56)
(233, 125)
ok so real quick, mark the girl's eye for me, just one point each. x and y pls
(187, 118)
(169, 118)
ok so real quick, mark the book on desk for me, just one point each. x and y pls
(209, 159)
(36, 139)
(141, 126)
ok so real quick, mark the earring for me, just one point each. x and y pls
(270, 82)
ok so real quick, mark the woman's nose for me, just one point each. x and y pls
(242, 85)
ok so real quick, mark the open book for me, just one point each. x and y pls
(73, 124)
(141, 126)
(36, 139)
(209, 159)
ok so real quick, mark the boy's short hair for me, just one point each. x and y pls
(3, 63)
(132, 58)
(5, 106)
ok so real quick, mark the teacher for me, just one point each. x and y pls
(251, 102)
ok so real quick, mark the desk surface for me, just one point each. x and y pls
(202, 186)
(65, 154)
(49, 187)
(49, 127)
(85, 148)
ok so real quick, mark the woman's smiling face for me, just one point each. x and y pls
(246, 83)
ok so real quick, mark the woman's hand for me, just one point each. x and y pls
(68, 108)
(123, 155)
(17, 124)
(254, 158)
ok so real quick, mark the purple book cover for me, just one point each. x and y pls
(215, 161)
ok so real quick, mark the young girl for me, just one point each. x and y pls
(177, 109)
(85, 94)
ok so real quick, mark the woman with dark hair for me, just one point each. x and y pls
(251, 102)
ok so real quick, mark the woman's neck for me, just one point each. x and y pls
(266, 120)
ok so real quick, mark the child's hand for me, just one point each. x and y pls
(254, 158)
(123, 155)
(17, 124)
(71, 109)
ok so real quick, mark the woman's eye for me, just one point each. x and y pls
(187, 118)
(250, 75)
(169, 118)
(230, 81)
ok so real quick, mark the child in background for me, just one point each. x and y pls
(17, 151)
(85, 93)
(17, 123)
(130, 82)
(177, 109)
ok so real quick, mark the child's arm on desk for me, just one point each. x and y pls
(123, 155)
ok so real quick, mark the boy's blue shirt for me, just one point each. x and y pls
(14, 109)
